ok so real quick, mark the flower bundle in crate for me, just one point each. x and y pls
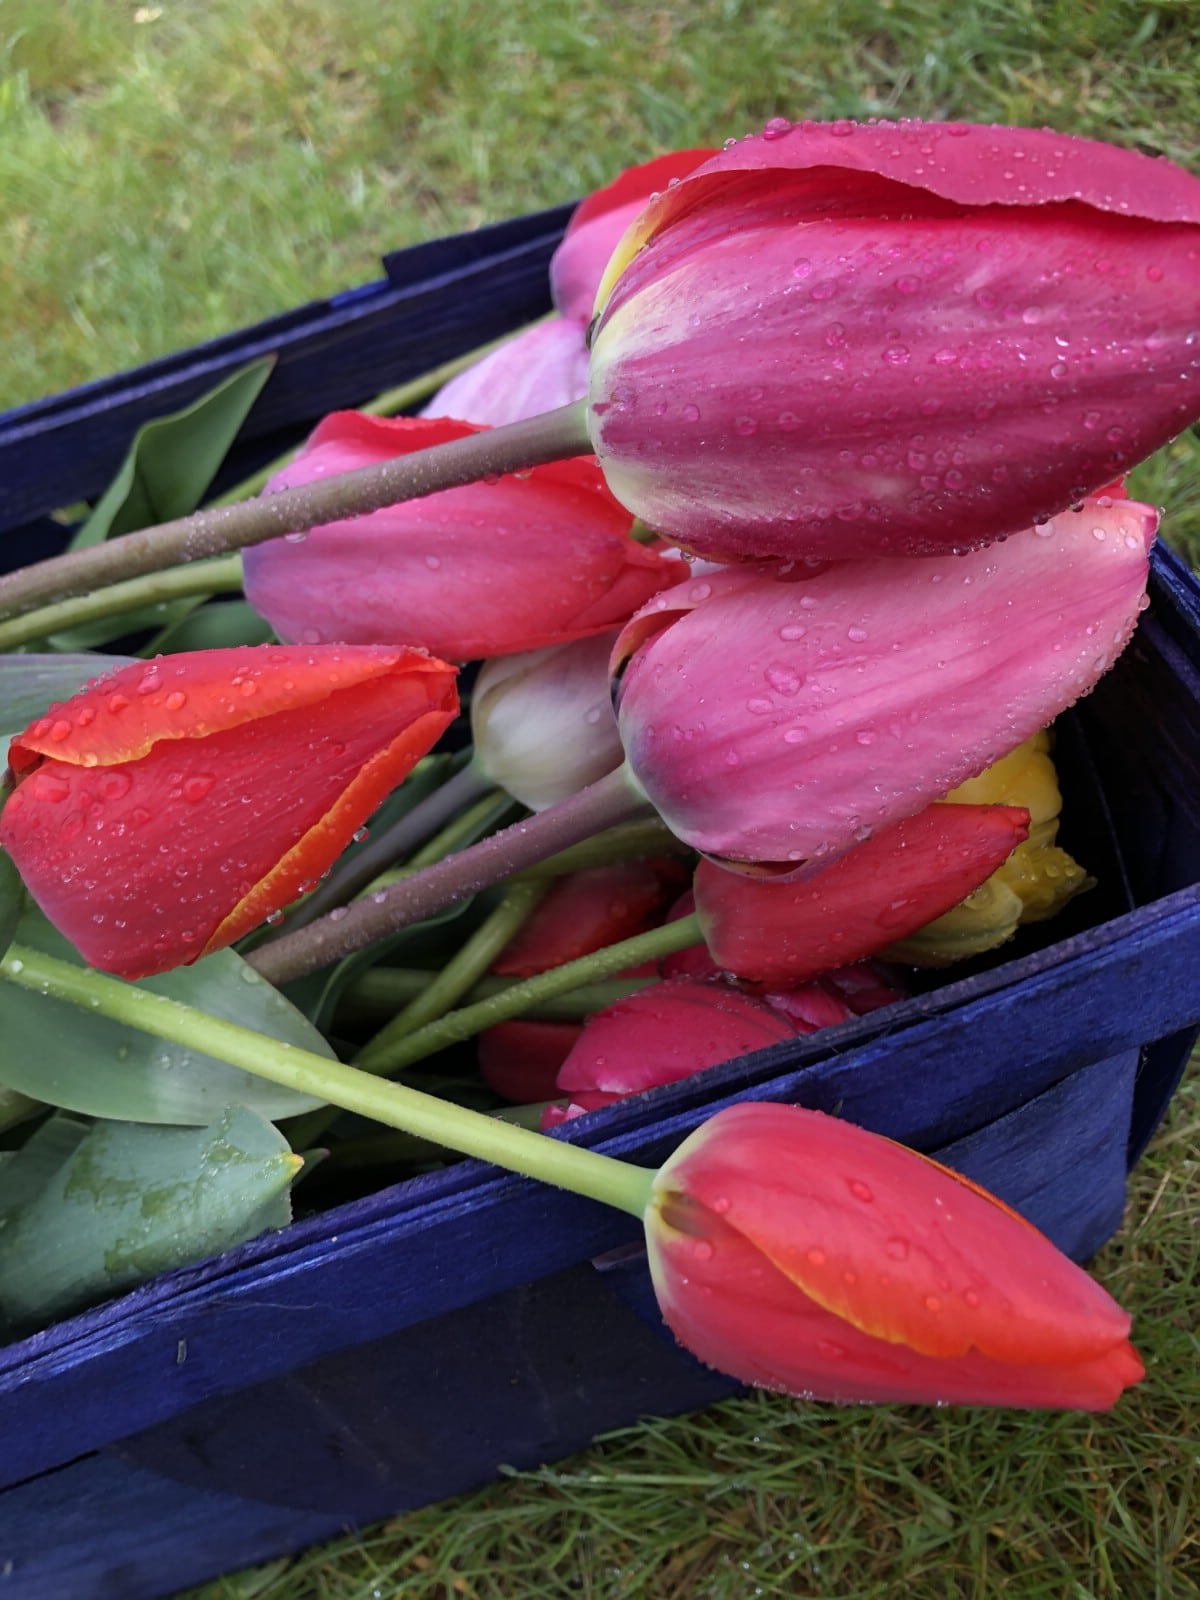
(783, 544)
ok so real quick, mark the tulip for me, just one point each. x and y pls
(865, 987)
(1031, 884)
(883, 889)
(519, 1059)
(781, 712)
(801, 1253)
(484, 570)
(168, 808)
(661, 1034)
(542, 721)
(893, 339)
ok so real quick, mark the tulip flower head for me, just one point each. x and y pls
(491, 568)
(800, 1253)
(542, 721)
(168, 808)
(781, 712)
(893, 339)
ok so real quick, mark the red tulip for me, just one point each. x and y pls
(484, 570)
(519, 1059)
(662, 1034)
(782, 712)
(589, 910)
(167, 808)
(801, 1253)
(598, 223)
(896, 338)
(900, 879)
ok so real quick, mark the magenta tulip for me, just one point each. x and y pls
(485, 570)
(801, 1253)
(894, 339)
(781, 713)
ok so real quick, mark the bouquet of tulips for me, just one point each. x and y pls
(783, 542)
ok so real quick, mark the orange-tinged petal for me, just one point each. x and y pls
(120, 716)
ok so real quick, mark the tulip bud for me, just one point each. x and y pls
(801, 1253)
(543, 722)
(167, 808)
(1034, 882)
(488, 569)
(789, 932)
(895, 338)
(781, 713)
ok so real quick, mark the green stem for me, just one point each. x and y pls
(467, 787)
(470, 961)
(614, 1183)
(601, 805)
(394, 1048)
(223, 576)
(629, 841)
(219, 529)
(379, 993)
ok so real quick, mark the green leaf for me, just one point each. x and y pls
(76, 1059)
(91, 1216)
(213, 627)
(12, 900)
(29, 684)
(173, 459)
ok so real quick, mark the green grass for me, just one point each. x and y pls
(172, 171)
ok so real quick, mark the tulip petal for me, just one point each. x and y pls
(119, 717)
(538, 370)
(784, 713)
(878, 892)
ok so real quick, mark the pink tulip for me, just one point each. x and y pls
(901, 878)
(538, 370)
(781, 713)
(801, 1253)
(598, 223)
(662, 1034)
(484, 570)
(894, 339)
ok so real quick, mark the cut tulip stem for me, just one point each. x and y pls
(220, 529)
(603, 804)
(471, 1133)
(399, 1045)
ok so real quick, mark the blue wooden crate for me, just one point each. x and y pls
(395, 1351)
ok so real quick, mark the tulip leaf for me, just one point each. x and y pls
(29, 684)
(86, 1213)
(81, 1061)
(213, 627)
(173, 459)
(12, 900)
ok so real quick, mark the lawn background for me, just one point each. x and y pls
(169, 172)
